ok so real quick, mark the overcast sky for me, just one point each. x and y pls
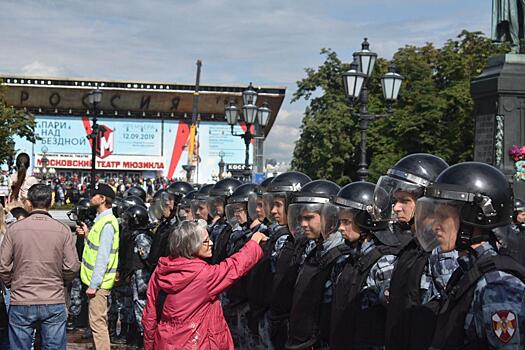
(266, 41)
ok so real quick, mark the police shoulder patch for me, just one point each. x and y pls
(504, 325)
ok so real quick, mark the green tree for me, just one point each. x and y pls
(434, 112)
(13, 122)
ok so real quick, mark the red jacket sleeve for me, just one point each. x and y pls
(223, 275)
(149, 316)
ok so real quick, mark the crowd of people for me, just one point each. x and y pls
(68, 189)
(431, 256)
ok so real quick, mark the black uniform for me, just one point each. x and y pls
(358, 316)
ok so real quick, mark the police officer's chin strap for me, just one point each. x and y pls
(406, 226)
(363, 234)
(466, 238)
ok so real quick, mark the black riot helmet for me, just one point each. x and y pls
(204, 191)
(82, 212)
(281, 188)
(411, 174)
(519, 207)
(199, 205)
(158, 193)
(467, 195)
(136, 217)
(219, 193)
(266, 182)
(74, 195)
(136, 191)
(179, 189)
(128, 202)
(225, 187)
(237, 205)
(305, 212)
(354, 203)
(115, 205)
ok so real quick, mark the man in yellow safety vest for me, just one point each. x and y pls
(98, 270)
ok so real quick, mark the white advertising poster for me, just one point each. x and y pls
(134, 144)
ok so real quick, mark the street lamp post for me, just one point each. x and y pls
(43, 169)
(94, 99)
(221, 165)
(251, 115)
(355, 81)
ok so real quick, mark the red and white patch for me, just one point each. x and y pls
(504, 325)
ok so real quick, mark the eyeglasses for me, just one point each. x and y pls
(207, 242)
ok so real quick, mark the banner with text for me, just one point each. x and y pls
(134, 144)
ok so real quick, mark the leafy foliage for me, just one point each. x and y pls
(433, 114)
(13, 122)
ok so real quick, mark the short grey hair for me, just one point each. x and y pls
(186, 239)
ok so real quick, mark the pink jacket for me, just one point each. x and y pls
(192, 317)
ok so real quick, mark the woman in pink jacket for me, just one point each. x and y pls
(191, 317)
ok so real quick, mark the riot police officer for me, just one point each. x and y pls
(220, 229)
(184, 211)
(512, 239)
(161, 212)
(120, 205)
(121, 297)
(178, 190)
(136, 191)
(258, 280)
(199, 205)
(310, 308)
(235, 300)
(136, 269)
(484, 304)
(83, 212)
(285, 251)
(256, 208)
(518, 216)
(360, 295)
(237, 216)
(404, 183)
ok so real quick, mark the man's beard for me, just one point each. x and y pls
(96, 206)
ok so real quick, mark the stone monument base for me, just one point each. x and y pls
(499, 114)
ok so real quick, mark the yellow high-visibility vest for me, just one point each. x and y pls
(89, 257)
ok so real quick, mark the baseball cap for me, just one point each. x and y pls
(104, 190)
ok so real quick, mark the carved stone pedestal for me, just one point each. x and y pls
(499, 99)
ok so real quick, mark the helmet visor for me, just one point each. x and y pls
(346, 220)
(329, 219)
(386, 190)
(184, 211)
(155, 211)
(216, 205)
(237, 213)
(307, 219)
(275, 207)
(256, 207)
(200, 209)
(437, 223)
(125, 220)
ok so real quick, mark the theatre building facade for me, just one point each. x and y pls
(143, 127)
